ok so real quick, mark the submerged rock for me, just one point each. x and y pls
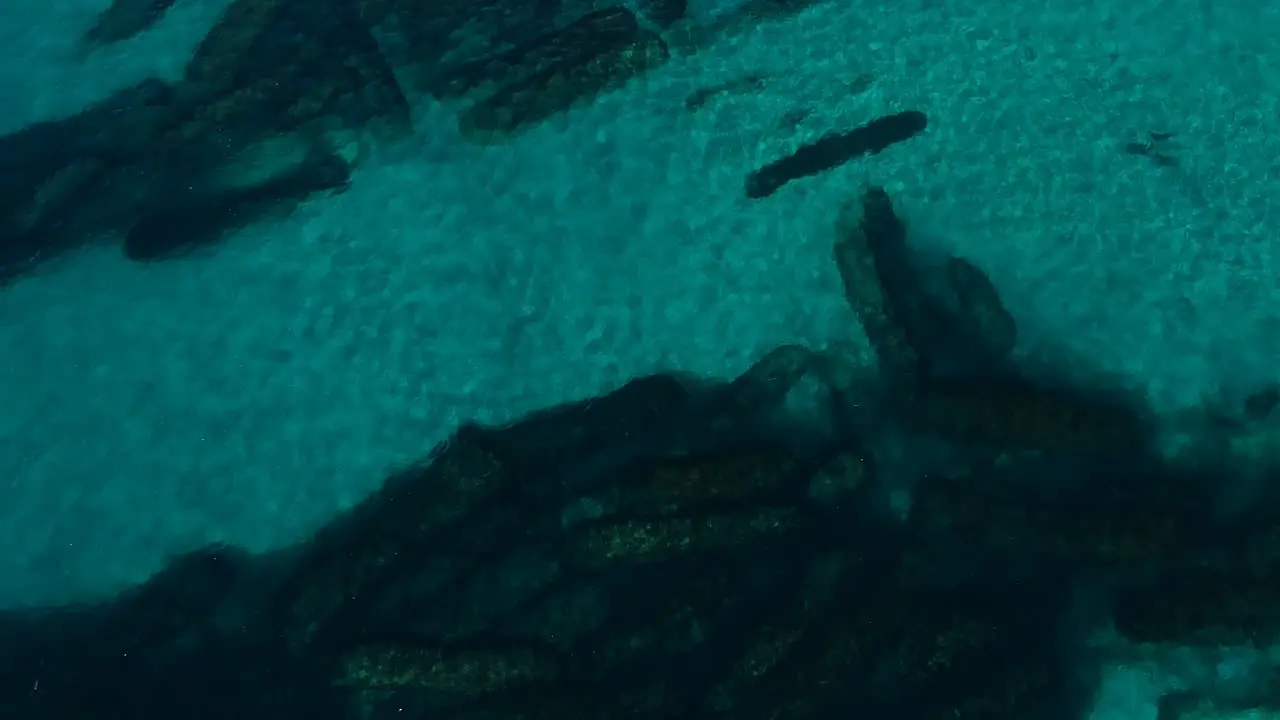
(266, 69)
(246, 82)
(834, 150)
(426, 41)
(944, 355)
(870, 254)
(1106, 519)
(195, 218)
(599, 52)
(1013, 413)
(124, 19)
(51, 165)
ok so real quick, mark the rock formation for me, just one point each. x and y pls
(134, 162)
(124, 19)
(269, 108)
(833, 150)
(660, 552)
(530, 83)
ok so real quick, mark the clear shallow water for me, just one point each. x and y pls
(248, 394)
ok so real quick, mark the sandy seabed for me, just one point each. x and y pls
(247, 394)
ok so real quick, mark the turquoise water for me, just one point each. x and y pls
(248, 393)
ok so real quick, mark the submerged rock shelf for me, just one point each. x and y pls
(671, 550)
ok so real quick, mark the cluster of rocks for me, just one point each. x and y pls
(676, 550)
(281, 94)
(276, 99)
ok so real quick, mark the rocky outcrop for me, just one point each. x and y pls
(428, 39)
(835, 149)
(582, 563)
(943, 349)
(191, 217)
(526, 85)
(871, 255)
(292, 85)
(166, 166)
(122, 20)
(653, 553)
(244, 81)
(661, 551)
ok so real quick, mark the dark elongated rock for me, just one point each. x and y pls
(195, 219)
(49, 164)
(638, 414)
(1010, 412)
(395, 526)
(650, 625)
(445, 532)
(920, 323)
(470, 600)
(61, 183)
(599, 52)
(124, 19)
(576, 44)
(243, 86)
(834, 150)
(761, 388)
(645, 540)
(714, 481)
(466, 672)
(870, 254)
(913, 330)
(251, 81)
(680, 485)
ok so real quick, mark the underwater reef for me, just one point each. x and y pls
(674, 549)
(278, 103)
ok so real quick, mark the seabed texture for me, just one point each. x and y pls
(251, 391)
